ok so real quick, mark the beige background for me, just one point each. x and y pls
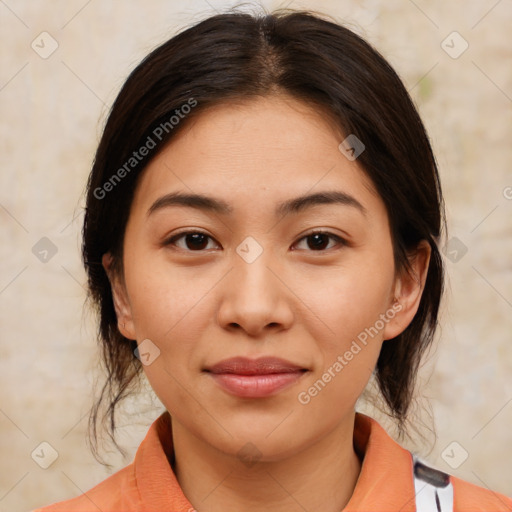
(52, 112)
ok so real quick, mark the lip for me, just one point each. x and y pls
(255, 378)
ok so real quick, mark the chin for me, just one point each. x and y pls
(261, 440)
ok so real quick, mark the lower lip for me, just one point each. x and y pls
(255, 386)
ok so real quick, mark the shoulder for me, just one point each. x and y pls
(117, 492)
(468, 497)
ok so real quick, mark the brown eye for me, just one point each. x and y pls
(319, 240)
(193, 241)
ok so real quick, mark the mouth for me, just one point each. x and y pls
(255, 378)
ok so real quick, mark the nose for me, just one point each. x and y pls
(255, 298)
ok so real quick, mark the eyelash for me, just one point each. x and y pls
(171, 241)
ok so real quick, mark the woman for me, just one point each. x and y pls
(231, 152)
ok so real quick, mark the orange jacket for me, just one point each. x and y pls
(385, 483)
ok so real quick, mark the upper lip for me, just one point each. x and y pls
(260, 366)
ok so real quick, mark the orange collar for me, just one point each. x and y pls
(385, 482)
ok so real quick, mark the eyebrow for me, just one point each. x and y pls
(293, 206)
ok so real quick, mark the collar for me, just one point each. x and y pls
(385, 482)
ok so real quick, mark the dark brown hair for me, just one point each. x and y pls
(239, 56)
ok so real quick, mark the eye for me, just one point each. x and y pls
(193, 241)
(197, 241)
(319, 239)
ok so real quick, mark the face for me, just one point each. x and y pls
(257, 309)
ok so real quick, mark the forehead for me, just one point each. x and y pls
(255, 151)
(275, 122)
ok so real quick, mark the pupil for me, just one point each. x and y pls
(198, 241)
(319, 243)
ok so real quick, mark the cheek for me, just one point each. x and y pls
(350, 311)
(348, 300)
(169, 308)
(166, 300)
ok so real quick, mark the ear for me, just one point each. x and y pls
(408, 290)
(120, 297)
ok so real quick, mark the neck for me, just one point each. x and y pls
(214, 481)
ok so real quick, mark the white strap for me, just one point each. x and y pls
(433, 488)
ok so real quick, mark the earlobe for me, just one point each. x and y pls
(408, 290)
(120, 298)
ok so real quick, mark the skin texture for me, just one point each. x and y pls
(304, 305)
